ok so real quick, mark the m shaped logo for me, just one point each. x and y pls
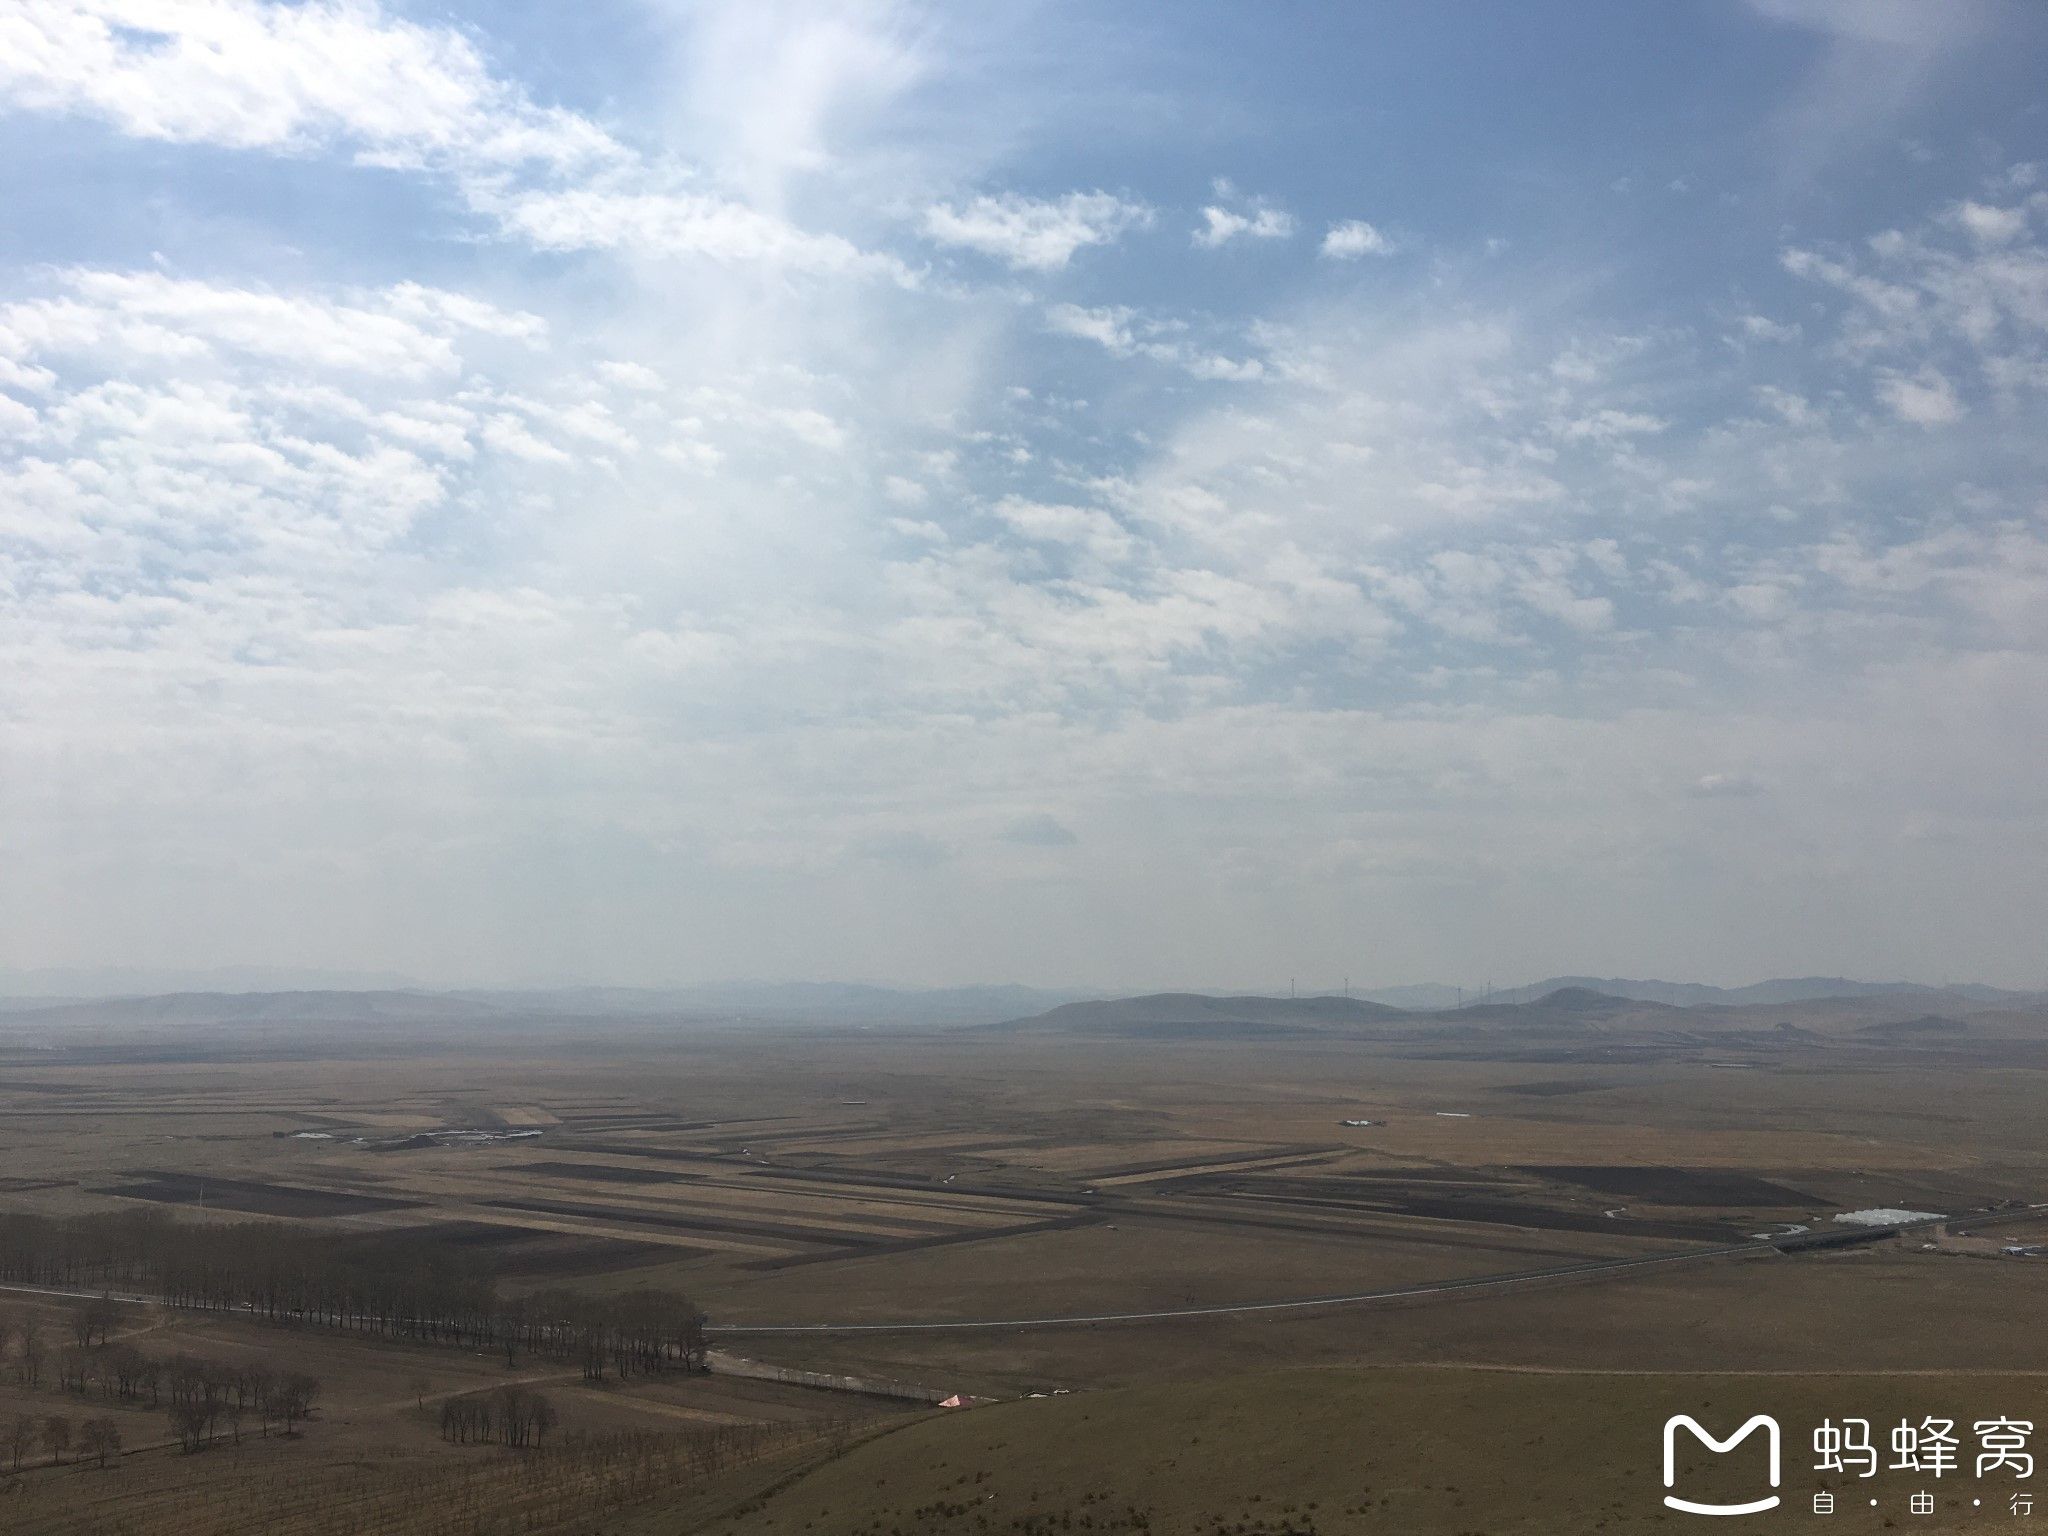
(1686, 1421)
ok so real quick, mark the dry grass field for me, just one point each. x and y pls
(1421, 1452)
(780, 1176)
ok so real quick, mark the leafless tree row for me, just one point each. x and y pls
(393, 1285)
(512, 1415)
(639, 1332)
(97, 1439)
(31, 1352)
(205, 1399)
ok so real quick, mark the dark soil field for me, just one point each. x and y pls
(603, 1173)
(1681, 1186)
(253, 1196)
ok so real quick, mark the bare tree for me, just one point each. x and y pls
(21, 1439)
(99, 1439)
(30, 1367)
(74, 1366)
(262, 1388)
(56, 1437)
(541, 1416)
(188, 1423)
(296, 1398)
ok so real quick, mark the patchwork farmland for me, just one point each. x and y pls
(835, 1200)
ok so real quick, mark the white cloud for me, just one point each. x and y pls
(1035, 235)
(1123, 333)
(672, 224)
(905, 492)
(509, 434)
(394, 589)
(1213, 365)
(1353, 238)
(1608, 425)
(406, 331)
(1926, 399)
(254, 75)
(1989, 225)
(1107, 326)
(1085, 528)
(295, 78)
(1754, 327)
(1222, 225)
(633, 376)
(1726, 786)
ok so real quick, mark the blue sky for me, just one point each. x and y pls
(1113, 495)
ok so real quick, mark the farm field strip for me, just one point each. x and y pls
(939, 1212)
(801, 1190)
(1377, 1227)
(687, 1240)
(670, 1219)
(855, 1176)
(823, 1219)
(1147, 1173)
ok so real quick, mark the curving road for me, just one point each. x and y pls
(1589, 1269)
(1243, 1308)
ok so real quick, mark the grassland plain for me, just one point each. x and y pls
(1422, 1452)
(798, 1176)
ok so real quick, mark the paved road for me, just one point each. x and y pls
(1596, 1267)
(1591, 1269)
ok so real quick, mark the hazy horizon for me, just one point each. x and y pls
(64, 983)
(648, 490)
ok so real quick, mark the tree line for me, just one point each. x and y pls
(511, 1414)
(396, 1285)
(97, 1438)
(205, 1399)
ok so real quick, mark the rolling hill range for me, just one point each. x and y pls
(1193, 1014)
(1905, 1017)
(622, 1008)
(1779, 991)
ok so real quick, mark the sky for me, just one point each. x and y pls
(1105, 495)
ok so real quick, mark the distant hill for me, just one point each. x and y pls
(797, 1001)
(1188, 1015)
(51, 984)
(254, 1008)
(1426, 996)
(815, 1000)
(1577, 1003)
(1694, 994)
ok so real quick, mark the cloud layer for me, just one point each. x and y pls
(675, 540)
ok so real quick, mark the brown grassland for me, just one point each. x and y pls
(781, 1176)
